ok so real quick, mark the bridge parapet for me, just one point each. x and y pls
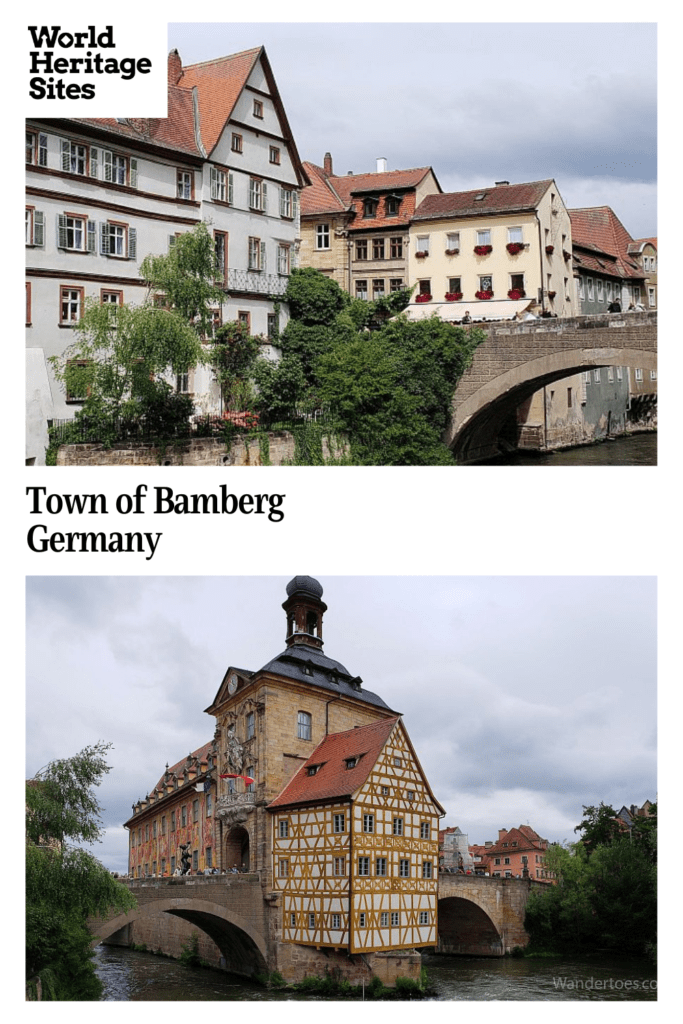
(568, 325)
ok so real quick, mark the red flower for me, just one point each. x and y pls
(452, 296)
(483, 295)
(483, 250)
(550, 249)
(421, 253)
(516, 293)
(423, 297)
(514, 247)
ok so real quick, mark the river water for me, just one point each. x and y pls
(636, 450)
(131, 976)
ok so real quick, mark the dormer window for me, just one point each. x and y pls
(351, 762)
(313, 769)
(369, 207)
(391, 205)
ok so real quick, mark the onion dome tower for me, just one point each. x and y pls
(304, 609)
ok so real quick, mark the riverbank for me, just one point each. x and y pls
(626, 450)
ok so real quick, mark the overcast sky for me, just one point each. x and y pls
(525, 697)
(477, 102)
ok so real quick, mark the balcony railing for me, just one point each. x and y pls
(255, 282)
(231, 799)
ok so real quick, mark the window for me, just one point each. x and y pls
(395, 284)
(250, 723)
(362, 249)
(455, 285)
(146, 833)
(651, 297)
(600, 289)
(394, 917)
(610, 374)
(274, 155)
(368, 822)
(183, 815)
(339, 866)
(185, 181)
(182, 383)
(404, 868)
(620, 373)
(639, 375)
(115, 168)
(653, 375)
(76, 233)
(361, 289)
(311, 920)
(154, 829)
(303, 726)
(424, 917)
(363, 865)
(71, 305)
(118, 240)
(209, 857)
(110, 297)
(596, 375)
(74, 157)
(287, 203)
(384, 919)
(292, 920)
(283, 259)
(28, 303)
(453, 241)
(485, 283)
(220, 244)
(609, 291)
(411, 794)
(398, 762)
(351, 762)
(322, 236)
(272, 327)
(381, 867)
(369, 207)
(35, 227)
(361, 920)
(397, 828)
(385, 791)
(236, 143)
(484, 237)
(425, 286)
(338, 823)
(515, 235)
(258, 108)
(422, 243)
(195, 859)
(257, 254)
(377, 288)
(283, 868)
(36, 149)
(424, 830)
(209, 805)
(244, 317)
(426, 869)
(378, 248)
(258, 192)
(172, 821)
(221, 186)
(589, 284)
(195, 811)
(396, 248)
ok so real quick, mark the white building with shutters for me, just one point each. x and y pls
(101, 194)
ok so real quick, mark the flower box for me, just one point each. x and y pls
(549, 250)
(551, 295)
(516, 293)
(567, 255)
(452, 296)
(514, 247)
(423, 298)
(483, 250)
(483, 295)
(421, 254)
(452, 252)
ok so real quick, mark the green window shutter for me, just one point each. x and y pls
(92, 236)
(38, 228)
(132, 243)
(61, 231)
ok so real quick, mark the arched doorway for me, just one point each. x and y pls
(236, 849)
(465, 928)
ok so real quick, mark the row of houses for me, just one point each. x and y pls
(104, 193)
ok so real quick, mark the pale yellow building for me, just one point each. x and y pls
(492, 254)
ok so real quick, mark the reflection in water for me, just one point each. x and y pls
(638, 450)
(132, 976)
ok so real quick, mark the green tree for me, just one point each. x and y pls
(66, 885)
(232, 357)
(600, 825)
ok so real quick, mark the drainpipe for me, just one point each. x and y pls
(327, 713)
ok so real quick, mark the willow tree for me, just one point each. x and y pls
(66, 885)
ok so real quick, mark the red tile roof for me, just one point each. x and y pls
(334, 780)
(523, 837)
(201, 753)
(334, 193)
(219, 84)
(177, 131)
(597, 229)
(495, 199)
(320, 196)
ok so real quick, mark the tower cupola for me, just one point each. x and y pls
(304, 609)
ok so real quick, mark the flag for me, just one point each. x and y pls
(246, 778)
(203, 787)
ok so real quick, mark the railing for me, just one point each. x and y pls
(256, 282)
(230, 799)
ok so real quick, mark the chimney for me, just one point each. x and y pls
(381, 164)
(175, 67)
(327, 163)
(502, 832)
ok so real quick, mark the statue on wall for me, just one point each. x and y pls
(185, 858)
(234, 754)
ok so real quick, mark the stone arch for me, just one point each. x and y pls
(478, 420)
(243, 948)
(465, 928)
(236, 848)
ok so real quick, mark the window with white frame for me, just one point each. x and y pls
(384, 919)
(339, 866)
(338, 823)
(596, 375)
(620, 372)
(425, 830)
(361, 289)
(397, 826)
(653, 375)
(257, 254)
(368, 822)
(75, 232)
(515, 235)
(287, 203)
(404, 868)
(381, 867)
(118, 240)
(610, 374)
(274, 156)
(74, 157)
(426, 869)
(258, 192)
(284, 828)
(453, 241)
(651, 297)
(589, 287)
(71, 305)
(639, 375)
(377, 288)
(580, 288)
(600, 289)
(35, 227)
(236, 143)
(36, 148)
(608, 291)
(283, 259)
(484, 237)
(422, 243)
(220, 244)
(363, 865)
(322, 236)
(395, 918)
(221, 185)
(424, 917)
(182, 383)
(336, 921)
(185, 181)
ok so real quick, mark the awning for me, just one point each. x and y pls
(482, 309)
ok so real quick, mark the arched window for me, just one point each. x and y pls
(303, 726)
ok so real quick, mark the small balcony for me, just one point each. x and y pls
(256, 282)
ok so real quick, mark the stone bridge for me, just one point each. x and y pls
(477, 915)
(482, 916)
(518, 359)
